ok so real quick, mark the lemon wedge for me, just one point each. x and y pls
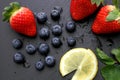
(82, 60)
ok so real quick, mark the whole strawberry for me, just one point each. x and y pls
(21, 19)
(81, 9)
(107, 20)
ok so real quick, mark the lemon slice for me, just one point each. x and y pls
(82, 60)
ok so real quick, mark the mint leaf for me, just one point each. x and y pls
(116, 52)
(111, 72)
(105, 58)
(97, 2)
(113, 15)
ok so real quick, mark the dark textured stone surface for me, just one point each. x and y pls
(83, 35)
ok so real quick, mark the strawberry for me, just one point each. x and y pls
(107, 20)
(21, 19)
(81, 9)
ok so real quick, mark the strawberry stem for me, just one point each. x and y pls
(116, 3)
(9, 10)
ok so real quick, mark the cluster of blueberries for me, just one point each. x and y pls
(31, 49)
(44, 33)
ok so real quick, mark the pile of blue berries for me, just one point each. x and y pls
(43, 49)
(44, 33)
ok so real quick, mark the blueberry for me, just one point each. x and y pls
(43, 48)
(58, 8)
(55, 14)
(41, 17)
(19, 57)
(39, 65)
(71, 41)
(57, 30)
(56, 42)
(50, 61)
(44, 33)
(30, 49)
(17, 43)
(70, 26)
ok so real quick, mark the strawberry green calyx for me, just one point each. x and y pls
(97, 2)
(115, 13)
(9, 10)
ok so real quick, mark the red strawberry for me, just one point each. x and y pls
(80, 9)
(21, 19)
(107, 20)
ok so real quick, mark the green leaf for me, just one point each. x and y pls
(111, 72)
(97, 2)
(105, 58)
(9, 10)
(113, 15)
(15, 5)
(116, 52)
(6, 16)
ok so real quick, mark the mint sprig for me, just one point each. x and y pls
(104, 58)
(111, 70)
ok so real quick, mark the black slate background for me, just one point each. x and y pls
(83, 34)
